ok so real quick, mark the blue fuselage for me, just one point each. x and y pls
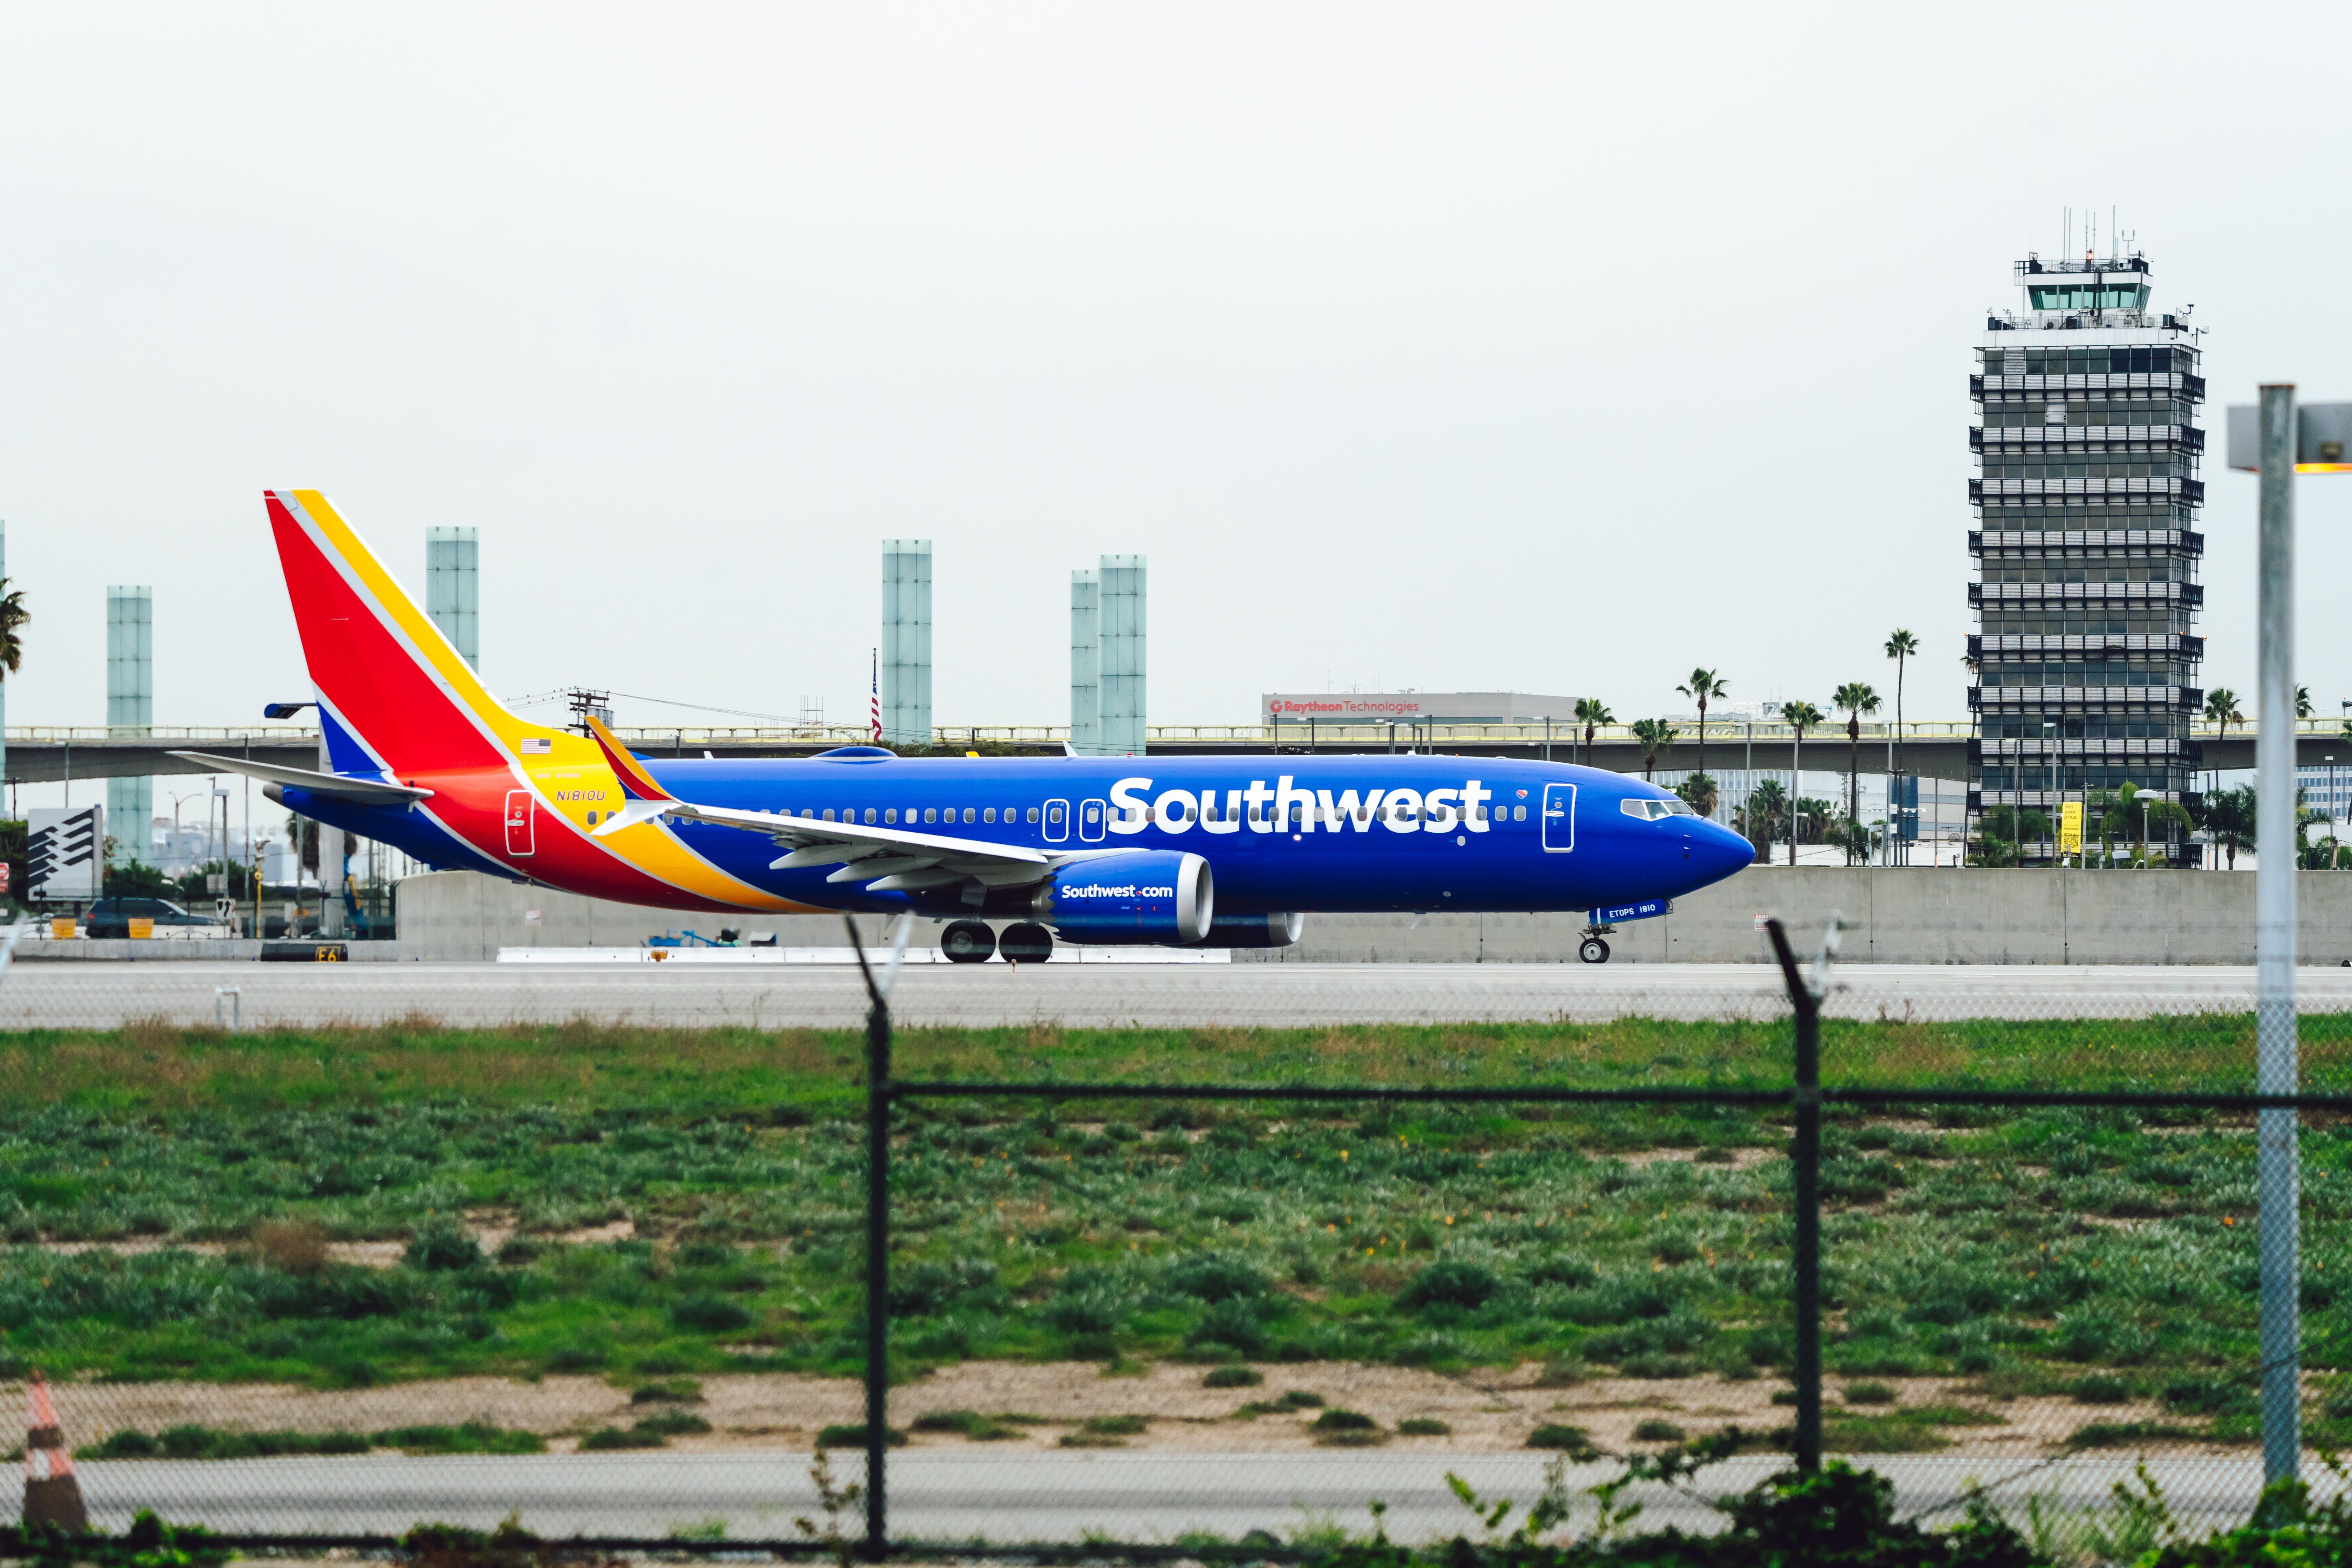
(1287, 833)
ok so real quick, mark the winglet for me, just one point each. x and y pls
(637, 783)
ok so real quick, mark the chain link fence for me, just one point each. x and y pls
(1152, 1291)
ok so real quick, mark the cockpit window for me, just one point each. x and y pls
(1655, 810)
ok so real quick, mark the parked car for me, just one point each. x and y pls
(112, 917)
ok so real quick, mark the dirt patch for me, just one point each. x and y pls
(1741, 1159)
(489, 1233)
(1485, 1412)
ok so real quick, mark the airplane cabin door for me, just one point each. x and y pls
(1558, 818)
(1092, 817)
(522, 812)
(1057, 821)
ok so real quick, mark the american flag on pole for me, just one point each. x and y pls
(877, 706)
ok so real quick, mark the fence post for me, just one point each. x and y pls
(1805, 1161)
(877, 1255)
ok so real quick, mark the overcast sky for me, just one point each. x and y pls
(1552, 347)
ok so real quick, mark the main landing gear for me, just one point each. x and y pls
(972, 941)
(1593, 949)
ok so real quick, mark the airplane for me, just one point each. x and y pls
(1217, 851)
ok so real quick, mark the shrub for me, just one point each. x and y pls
(1116, 1426)
(1232, 1322)
(1215, 1276)
(708, 1312)
(1561, 1268)
(1573, 1441)
(933, 1287)
(672, 1424)
(1233, 1377)
(2207, 1396)
(610, 1437)
(1651, 1429)
(1347, 1429)
(1422, 1426)
(442, 1249)
(1869, 1394)
(675, 1391)
(2098, 1391)
(1450, 1283)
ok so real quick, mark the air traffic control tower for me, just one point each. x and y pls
(2086, 541)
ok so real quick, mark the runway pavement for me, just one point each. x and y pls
(93, 995)
(955, 1495)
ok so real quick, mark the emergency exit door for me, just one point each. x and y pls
(521, 818)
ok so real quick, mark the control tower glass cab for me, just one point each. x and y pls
(2086, 548)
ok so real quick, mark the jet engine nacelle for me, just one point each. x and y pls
(1255, 930)
(1151, 896)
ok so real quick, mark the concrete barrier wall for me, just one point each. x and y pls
(1895, 915)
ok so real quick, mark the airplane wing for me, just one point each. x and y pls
(335, 786)
(885, 859)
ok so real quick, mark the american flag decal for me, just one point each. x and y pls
(875, 708)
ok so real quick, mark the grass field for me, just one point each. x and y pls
(2103, 1254)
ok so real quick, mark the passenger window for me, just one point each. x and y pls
(592, 819)
(828, 814)
(1054, 814)
(1518, 814)
(870, 817)
(1033, 813)
(966, 813)
(989, 816)
(931, 813)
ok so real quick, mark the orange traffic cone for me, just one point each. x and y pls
(52, 1495)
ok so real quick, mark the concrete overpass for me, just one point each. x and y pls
(1932, 748)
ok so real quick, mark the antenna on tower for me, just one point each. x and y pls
(2066, 233)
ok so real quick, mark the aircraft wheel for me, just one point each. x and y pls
(968, 941)
(1594, 951)
(1025, 942)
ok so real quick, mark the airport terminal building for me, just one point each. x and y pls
(2086, 541)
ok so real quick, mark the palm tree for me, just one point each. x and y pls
(2230, 820)
(1799, 717)
(1591, 712)
(2130, 817)
(1900, 647)
(1656, 735)
(13, 615)
(1759, 816)
(1702, 685)
(1857, 699)
(2303, 701)
(2222, 710)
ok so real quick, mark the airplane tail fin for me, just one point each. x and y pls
(394, 694)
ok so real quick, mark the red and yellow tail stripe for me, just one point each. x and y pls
(418, 707)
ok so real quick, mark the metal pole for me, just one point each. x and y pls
(2275, 1019)
(878, 1246)
(1806, 1160)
